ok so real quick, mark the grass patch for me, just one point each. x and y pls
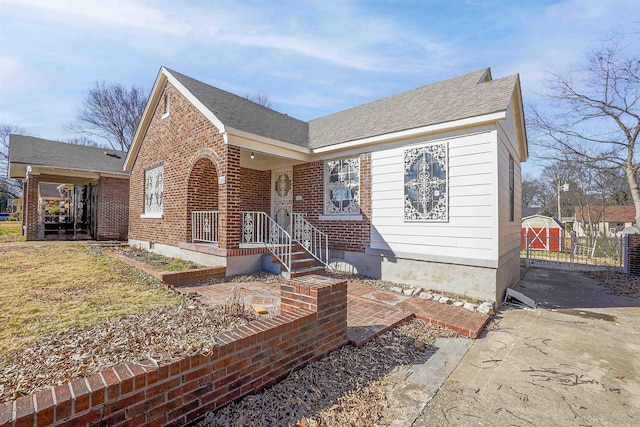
(50, 286)
(11, 231)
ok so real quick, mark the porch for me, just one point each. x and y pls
(296, 248)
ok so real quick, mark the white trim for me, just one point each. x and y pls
(337, 217)
(408, 133)
(80, 173)
(158, 215)
(266, 140)
(265, 147)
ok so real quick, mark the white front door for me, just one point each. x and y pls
(282, 197)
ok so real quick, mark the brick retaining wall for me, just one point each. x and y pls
(247, 359)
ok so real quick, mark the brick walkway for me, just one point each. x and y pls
(370, 310)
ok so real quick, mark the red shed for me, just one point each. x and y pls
(542, 232)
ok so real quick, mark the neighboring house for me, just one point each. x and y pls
(541, 232)
(15, 207)
(421, 188)
(608, 222)
(70, 191)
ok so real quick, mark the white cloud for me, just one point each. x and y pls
(121, 13)
(13, 76)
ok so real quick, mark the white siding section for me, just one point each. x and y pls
(509, 231)
(471, 231)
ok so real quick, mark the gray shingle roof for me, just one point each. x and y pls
(240, 113)
(453, 99)
(461, 97)
(30, 150)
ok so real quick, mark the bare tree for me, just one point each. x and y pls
(112, 112)
(259, 98)
(9, 188)
(594, 113)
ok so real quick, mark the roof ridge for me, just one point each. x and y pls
(54, 141)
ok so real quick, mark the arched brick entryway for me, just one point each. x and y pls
(202, 190)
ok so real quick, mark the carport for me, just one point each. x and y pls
(93, 189)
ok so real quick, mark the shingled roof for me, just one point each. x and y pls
(240, 113)
(29, 150)
(470, 95)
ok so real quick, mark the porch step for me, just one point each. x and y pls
(319, 270)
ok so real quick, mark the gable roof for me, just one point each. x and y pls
(470, 95)
(611, 213)
(29, 150)
(464, 97)
(240, 113)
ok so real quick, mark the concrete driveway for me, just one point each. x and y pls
(575, 361)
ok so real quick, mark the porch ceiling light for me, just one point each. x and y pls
(253, 156)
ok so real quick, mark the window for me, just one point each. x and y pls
(426, 183)
(153, 189)
(165, 111)
(511, 189)
(342, 187)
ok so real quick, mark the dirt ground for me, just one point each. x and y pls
(572, 362)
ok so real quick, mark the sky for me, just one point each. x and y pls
(311, 58)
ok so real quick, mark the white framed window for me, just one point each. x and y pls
(426, 183)
(342, 187)
(166, 104)
(153, 192)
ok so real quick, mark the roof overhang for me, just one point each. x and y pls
(412, 133)
(521, 129)
(60, 174)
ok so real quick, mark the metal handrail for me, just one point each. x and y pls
(204, 226)
(314, 241)
(258, 227)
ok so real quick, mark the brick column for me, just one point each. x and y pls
(30, 209)
(230, 203)
(633, 251)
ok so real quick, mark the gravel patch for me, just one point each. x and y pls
(346, 388)
(618, 283)
(162, 334)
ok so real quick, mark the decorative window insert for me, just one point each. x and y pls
(153, 190)
(342, 187)
(511, 189)
(426, 183)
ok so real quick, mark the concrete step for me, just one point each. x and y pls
(302, 263)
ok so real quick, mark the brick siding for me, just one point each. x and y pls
(633, 254)
(113, 209)
(255, 188)
(30, 211)
(308, 182)
(178, 143)
(247, 359)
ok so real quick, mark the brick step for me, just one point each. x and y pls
(297, 264)
(318, 270)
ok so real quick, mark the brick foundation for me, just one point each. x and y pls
(247, 359)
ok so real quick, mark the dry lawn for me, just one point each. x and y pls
(45, 287)
(10, 231)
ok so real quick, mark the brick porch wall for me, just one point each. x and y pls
(247, 359)
(178, 142)
(308, 182)
(113, 209)
(30, 210)
(255, 189)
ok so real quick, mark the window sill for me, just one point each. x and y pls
(152, 215)
(339, 217)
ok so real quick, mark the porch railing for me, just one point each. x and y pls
(204, 226)
(258, 227)
(310, 238)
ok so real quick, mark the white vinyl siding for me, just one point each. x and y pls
(509, 234)
(470, 231)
